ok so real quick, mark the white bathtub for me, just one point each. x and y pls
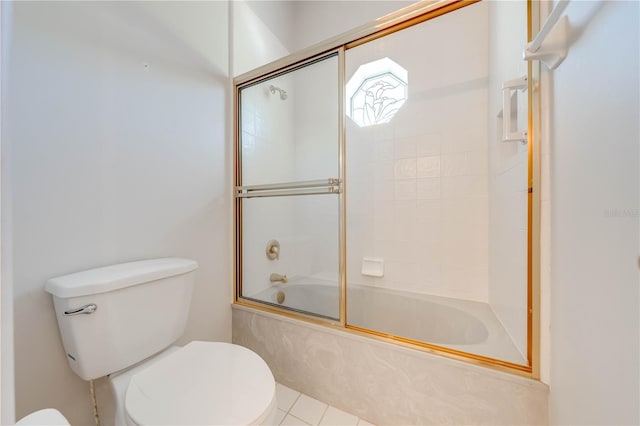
(458, 324)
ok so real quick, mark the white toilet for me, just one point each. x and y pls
(122, 320)
(47, 416)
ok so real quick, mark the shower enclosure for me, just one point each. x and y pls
(384, 183)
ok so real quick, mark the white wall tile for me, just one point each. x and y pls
(428, 189)
(405, 168)
(428, 167)
(455, 164)
(404, 189)
(428, 144)
(438, 142)
(404, 148)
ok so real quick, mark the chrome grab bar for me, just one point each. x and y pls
(86, 309)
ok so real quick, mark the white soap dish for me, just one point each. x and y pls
(372, 267)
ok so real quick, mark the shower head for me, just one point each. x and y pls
(273, 89)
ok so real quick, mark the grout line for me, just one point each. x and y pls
(288, 412)
(298, 418)
(294, 403)
(324, 412)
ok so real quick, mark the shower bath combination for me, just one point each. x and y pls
(428, 192)
(273, 89)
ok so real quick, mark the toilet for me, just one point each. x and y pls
(47, 416)
(122, 321)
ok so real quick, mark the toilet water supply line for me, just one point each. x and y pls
(92, 389)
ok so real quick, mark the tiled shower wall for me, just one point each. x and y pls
(291, 140)
(507, 175)
(417, 193)
(267, 157)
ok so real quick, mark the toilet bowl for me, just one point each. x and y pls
(121, 321)
(45, 417)
(203, 383)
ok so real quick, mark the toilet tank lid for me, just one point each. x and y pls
(114, 277)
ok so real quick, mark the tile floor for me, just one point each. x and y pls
(295, 408)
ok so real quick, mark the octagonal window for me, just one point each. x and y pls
(376, 92)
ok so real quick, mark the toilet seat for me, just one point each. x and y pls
(204, 383)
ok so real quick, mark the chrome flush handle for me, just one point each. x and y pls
(86, 309)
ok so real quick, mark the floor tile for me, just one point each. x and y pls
(308, 409)
(293, 421)
(280, 415)
(286, 397)
(335, 417)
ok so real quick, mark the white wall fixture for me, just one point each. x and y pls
(510, 110)
(376, 92)
(550, 45)
(373, 267)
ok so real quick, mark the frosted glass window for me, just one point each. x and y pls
(376, 92)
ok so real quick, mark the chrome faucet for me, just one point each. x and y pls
(277, 277)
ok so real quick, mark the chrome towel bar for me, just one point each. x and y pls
(309, 187)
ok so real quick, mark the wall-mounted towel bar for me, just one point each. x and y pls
(550, 45)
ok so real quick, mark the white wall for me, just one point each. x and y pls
(417, 186)
(7, 394)
(318, 20)
(254, 42)
(594, 168)
(507, 174)
(116, 126)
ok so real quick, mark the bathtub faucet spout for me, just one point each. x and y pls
(277, 277)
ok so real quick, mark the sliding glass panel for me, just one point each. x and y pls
(289, 148)
(304, 274)
(289, 125)
(437, 202)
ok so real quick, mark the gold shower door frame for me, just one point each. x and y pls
(397, 21)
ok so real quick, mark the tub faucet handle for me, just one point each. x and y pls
(277, 277)
(273, 250)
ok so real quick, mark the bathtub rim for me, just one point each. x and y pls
(470, 313)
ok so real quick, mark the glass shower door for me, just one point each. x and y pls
(289, 189)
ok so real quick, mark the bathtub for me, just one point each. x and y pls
(453, 323)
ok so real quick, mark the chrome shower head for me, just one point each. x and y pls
(273, 89)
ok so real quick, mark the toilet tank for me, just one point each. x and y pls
(113, 317)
